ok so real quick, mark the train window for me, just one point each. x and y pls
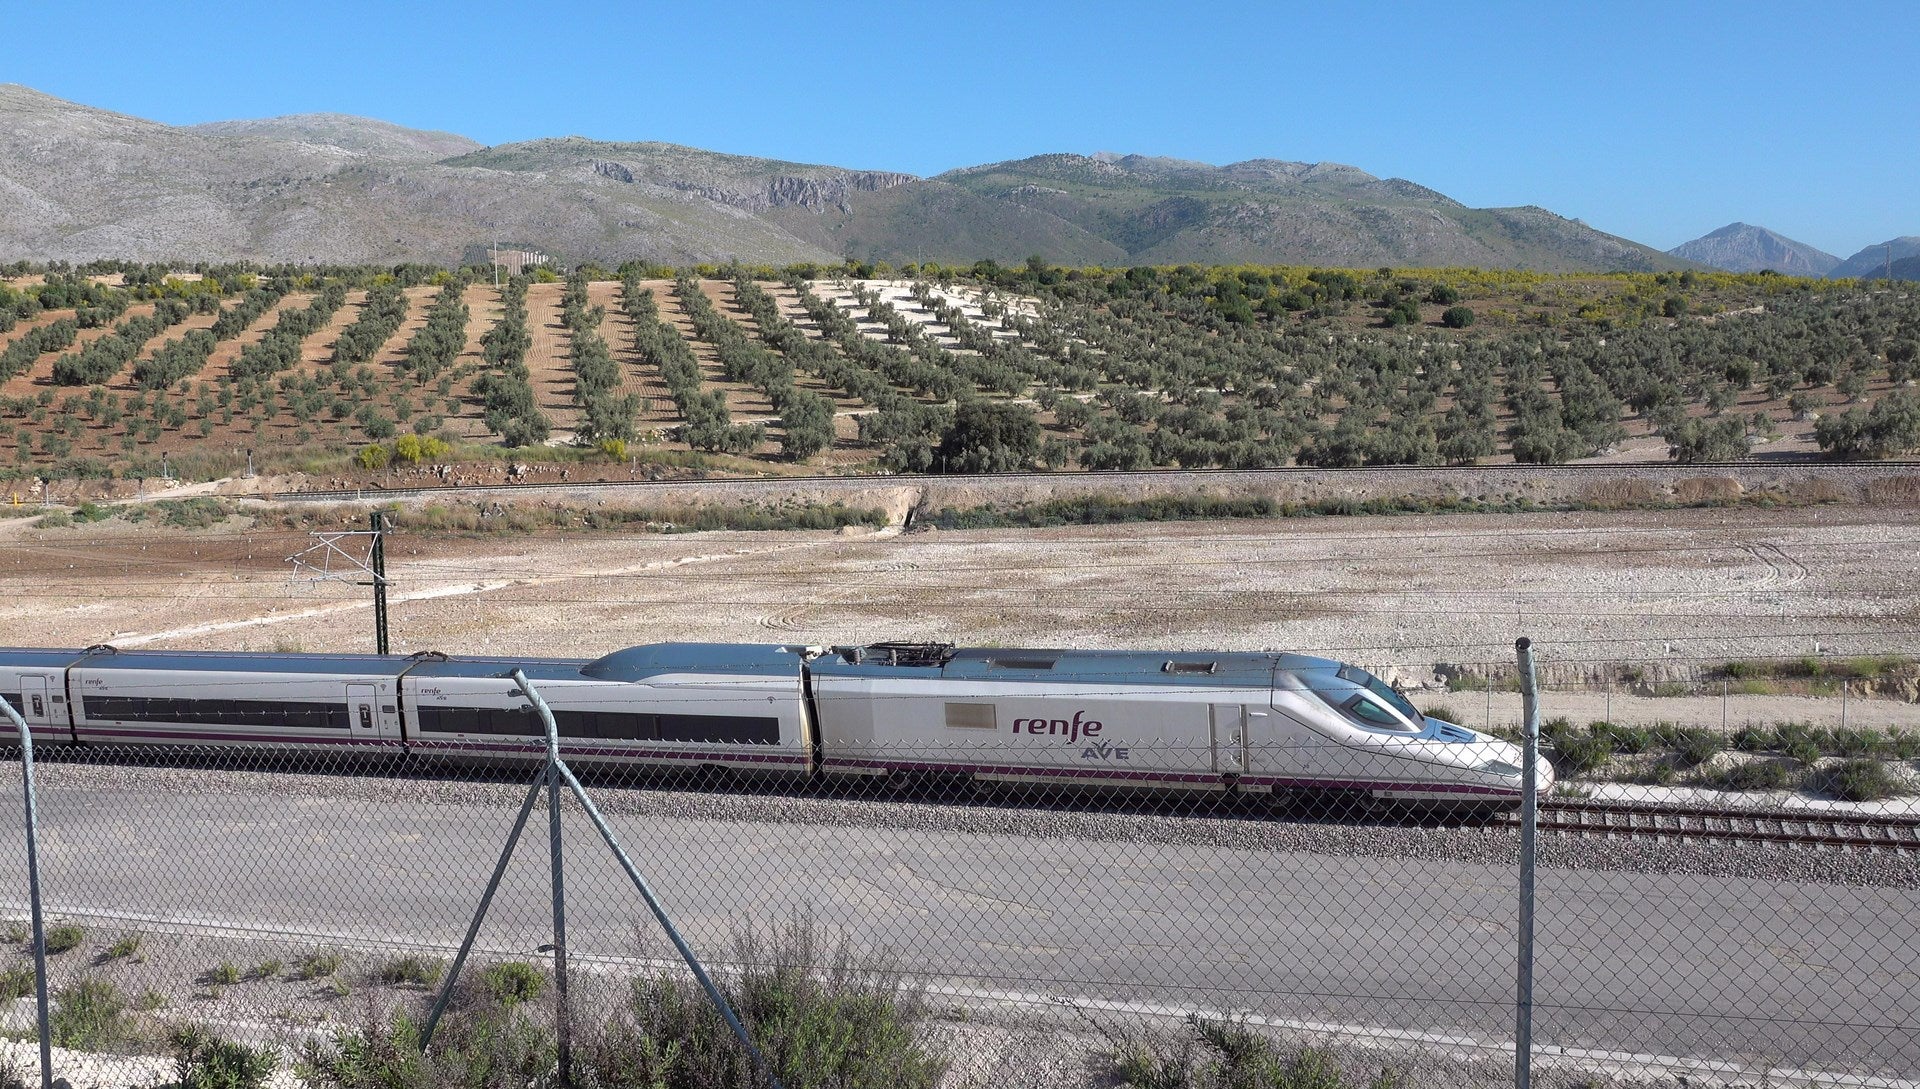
(274, 714)
(494, 721)
(731, 729)
(1381, 690)
(1362, 707)
(607, 725)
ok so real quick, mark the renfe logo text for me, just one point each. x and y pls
(1071, 729)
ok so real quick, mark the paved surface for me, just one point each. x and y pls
(1785, 975)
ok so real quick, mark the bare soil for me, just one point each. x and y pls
(1674, 592)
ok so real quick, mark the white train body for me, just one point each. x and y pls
(1170, 721)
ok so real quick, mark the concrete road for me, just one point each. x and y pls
(1779, 975)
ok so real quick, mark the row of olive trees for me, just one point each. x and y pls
(279, 350)
(31, 345)
(606, 414)
(102, 359)
(806, 418)
(505, 387)
(706, 423)
(385, 311)
(433, 348)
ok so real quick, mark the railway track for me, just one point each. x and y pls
(1117, 478)
(1669, 822)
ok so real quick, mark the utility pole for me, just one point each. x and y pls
(378, 520)
(326, 560)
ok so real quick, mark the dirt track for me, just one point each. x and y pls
(1666, 587)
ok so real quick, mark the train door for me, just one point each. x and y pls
(1229, 722)
(36, 704)
(363, 712)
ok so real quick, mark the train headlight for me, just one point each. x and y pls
(1501, 767)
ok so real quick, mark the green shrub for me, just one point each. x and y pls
(819, 1020)
(1693, 747)
(205, 1060)
(90, 1015)
(1758, 775)
(1443, 712)
(1575, 752)
(127, 946)
(64, 937)
(483, 1048)
(1851, 742)
(266, 969)
(1862, 780)
(15, 982)
(224, 974)
(513, 982)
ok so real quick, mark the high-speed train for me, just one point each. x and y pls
(1178, 720)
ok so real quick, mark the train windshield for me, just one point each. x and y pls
(1364, 706)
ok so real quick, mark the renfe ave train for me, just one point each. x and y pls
(1170, 720)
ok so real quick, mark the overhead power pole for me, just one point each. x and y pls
(328, 560)
(378, 520)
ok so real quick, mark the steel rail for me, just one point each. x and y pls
(1736, 825)
(374, 492)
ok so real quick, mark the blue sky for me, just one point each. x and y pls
(1657, 121)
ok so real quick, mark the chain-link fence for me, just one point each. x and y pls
(1233, 895)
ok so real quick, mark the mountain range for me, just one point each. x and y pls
(1742, 247)
(78, 183)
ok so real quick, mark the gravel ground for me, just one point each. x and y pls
(1670, 590)
(1252, 825)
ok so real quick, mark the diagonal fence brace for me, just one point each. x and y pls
(480, 914)
(558, 767)
(551, 776)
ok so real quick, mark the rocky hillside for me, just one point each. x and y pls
(1742, 247)
(78, 183)
(1166, 211)
(1872, 261)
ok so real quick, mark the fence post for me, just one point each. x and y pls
(562, 1008)
(1845, 685)
(33, 897)
(1489, 676)
(1529, 823)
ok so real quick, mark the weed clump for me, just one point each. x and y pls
(204, 1060)
(1223, 1055)
(412, 971)
(65, 937)
(15, 982)
(90, 1015)
(318, 964)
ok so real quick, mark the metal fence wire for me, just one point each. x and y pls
(1707, 904)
